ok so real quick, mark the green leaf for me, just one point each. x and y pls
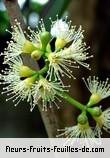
(36, 7)
(4, 21)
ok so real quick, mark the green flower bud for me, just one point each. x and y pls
(45, 38)
(95, 112)
(25, 71)
(60, 43)
(94, 99)
(36, 55)
(28, 47)
(48, 49)
(82, 118)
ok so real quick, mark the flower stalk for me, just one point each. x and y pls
(72, 101)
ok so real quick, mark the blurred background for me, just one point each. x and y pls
(94, 16)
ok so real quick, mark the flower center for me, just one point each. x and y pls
(52, 58)
(29, 81)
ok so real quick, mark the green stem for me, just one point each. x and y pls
(88, 104)
(72, 101)
(43, 70)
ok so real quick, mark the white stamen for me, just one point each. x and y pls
(102, 88)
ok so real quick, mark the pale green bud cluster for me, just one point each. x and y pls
(37, 52)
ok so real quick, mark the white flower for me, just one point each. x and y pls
(19, 90)
(78, 49)
(16, 88)
(62, 29)
(46, 92)
(61, 61)
(18, 43)
(35, 35)
(12, 73)
(98, 89)
(78, 131)
(59, 65)
(15, 45)
(103, 121)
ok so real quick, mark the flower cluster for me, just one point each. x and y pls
(68, 50)
(99, 90)
(63, 58)
(41, 86)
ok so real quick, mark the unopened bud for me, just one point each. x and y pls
(45, 38)
(36, 55)
(95, 112)
(82, 118)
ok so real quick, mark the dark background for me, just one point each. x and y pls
(94, 16)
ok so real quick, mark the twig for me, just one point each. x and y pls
(49, 118)
(13, 10)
